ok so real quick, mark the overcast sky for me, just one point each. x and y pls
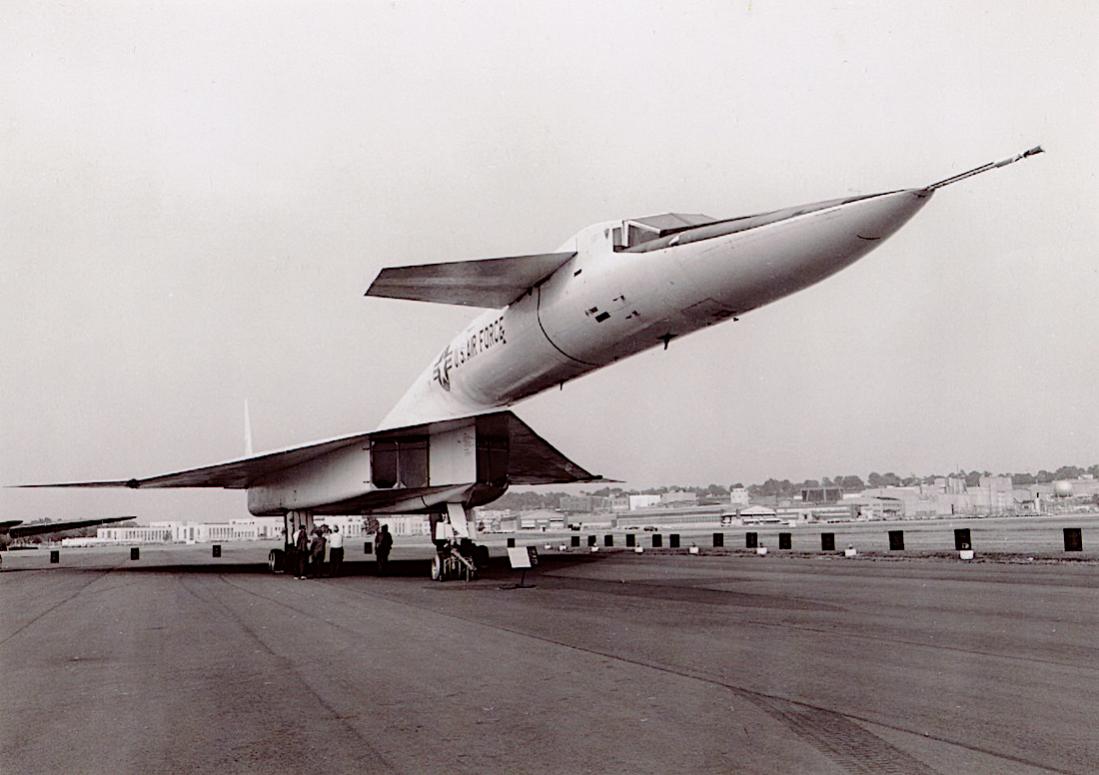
(195, 197)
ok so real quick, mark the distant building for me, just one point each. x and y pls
(821, 494)
(738, 496)
(495, 520)
(818, 512)
(678, 497)
(247, 529)
(757, 515)
(584, 504)
(643, 501)
(882, 507)
(350, 526)
(992, 496)
(541, 519)
(133, 535)
(575, 504)
(406, 525)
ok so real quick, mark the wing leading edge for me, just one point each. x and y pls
(486, 282)
(531, 459)
(235, 474)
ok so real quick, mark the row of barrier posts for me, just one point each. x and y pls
(631, 540)
(135, 553)
(1073, 537)
(1074, 542)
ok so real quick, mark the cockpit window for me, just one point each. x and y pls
(637, 231)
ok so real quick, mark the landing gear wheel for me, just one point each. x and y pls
(276, 561)
(436, 568)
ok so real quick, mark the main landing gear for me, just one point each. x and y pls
(458, 560)
(456, 555)
(285, 560)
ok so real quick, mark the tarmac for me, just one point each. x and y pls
(609, 663)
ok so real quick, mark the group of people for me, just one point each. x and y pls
(309, 553)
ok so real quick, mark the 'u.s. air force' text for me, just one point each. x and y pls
(457, 354)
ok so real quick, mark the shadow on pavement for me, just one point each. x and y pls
(498, 567)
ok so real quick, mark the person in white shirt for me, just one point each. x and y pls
(335, 551)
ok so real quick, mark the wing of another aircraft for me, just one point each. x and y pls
(486, 282)
(18, 530)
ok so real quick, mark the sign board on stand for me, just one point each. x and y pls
(522, 558)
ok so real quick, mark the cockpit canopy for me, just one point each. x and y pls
(635, 231)
(640, 235)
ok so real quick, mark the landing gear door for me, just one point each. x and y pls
(402, 462)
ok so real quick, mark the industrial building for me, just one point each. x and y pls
(249, 529)
(945, 496)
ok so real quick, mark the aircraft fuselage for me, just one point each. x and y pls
(614, 299)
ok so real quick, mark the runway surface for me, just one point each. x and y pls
(613, 663)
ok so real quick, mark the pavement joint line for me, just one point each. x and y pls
(751, 695)
(55, 606)
(850, 745)
(754, 695)
(344, 719)
(871, 638)
(796, 563)
(931, 646)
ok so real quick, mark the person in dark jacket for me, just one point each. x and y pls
(316, 553)
(384, 543)
(301, 549)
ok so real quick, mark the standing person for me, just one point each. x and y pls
(301, 551)
(335, 551)
(316, 552)
(384, 543)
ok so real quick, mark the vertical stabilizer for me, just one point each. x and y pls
(248, 450)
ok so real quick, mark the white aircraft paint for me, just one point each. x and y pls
(612, 290)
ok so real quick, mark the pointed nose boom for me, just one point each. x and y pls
(857, 227)
(992, 165)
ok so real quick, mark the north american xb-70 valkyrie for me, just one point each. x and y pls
(612, 290)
